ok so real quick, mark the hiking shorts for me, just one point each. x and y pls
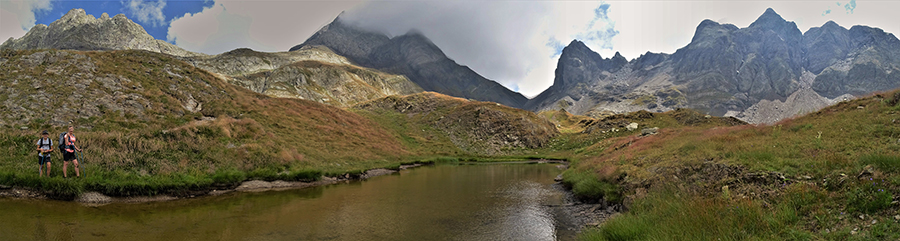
(68, 156)
(43, 159)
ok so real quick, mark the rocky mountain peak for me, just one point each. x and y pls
(578, 50)
(832, 25)
(77, 30)
(710, 30)
(706, 23)
(769, 17)
(575, 47)
(770, 20)
(75, 14)
(413, 55)
(618, 58)
(345, 40)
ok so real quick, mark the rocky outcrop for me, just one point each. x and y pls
(414, 56)
(79, 31)
(762, 73)
(312, 73)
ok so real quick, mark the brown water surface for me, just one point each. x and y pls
(442, 202)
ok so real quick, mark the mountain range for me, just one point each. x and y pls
(762, 73)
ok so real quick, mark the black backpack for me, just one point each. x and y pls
(62, 143)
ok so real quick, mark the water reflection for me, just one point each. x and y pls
(465, 202)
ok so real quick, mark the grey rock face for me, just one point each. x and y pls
(826, 46)
(763, 73)
(872, 62)
(78, 31)
(414, 56)
(579, 69)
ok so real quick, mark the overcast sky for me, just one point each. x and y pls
(515, 43)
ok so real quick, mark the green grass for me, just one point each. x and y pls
(886, 163)
(822, 153)
(587, 187)
(670, 214)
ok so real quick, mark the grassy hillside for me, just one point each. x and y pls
(151, 124)
(434, 123)
(129, 109)
(833, 175)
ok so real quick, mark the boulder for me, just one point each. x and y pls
(649, 131)
(632, 126)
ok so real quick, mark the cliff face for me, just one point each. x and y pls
(78, 31)
(414, 56)
(761, 73)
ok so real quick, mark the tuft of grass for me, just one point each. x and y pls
(869, 196)
(886, 163)
(589, 188)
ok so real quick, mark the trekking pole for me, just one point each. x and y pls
(81, 163)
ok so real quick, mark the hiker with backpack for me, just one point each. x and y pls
(44, 148)
(68, 142)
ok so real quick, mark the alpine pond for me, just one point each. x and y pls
(442, 202)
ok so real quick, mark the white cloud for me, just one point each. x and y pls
(147, 12)
(260, 25)
(17, 17)
(511, 42)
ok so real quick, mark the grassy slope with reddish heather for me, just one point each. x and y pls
(811, 177)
